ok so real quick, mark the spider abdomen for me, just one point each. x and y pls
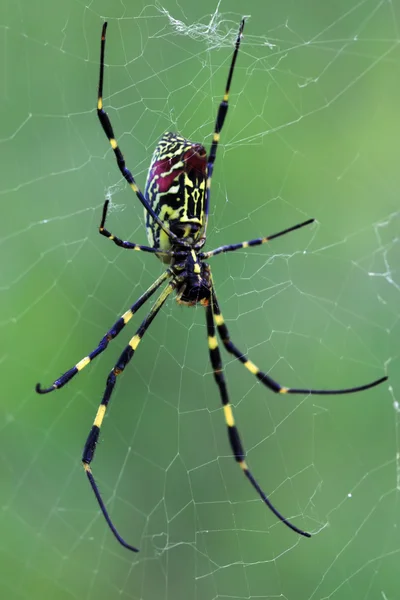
(175, 190)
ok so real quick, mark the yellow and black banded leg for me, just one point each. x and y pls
(108, 130)
(263, 377)
(110, 335)
(222, 111)
(251, 243)
(124, 244)
(234, 438)
(123, 361)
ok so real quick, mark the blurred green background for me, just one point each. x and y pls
(313, 131)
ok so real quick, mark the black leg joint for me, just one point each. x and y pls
(275, 387)
(66, 377)
(215, 359)
(90, 446)
(223, 109)
(236, 444)
(101, 347)
(105, 121)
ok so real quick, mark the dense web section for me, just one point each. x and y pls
(312, 131)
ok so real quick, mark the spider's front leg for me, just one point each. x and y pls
(219, 123)
(108, 130)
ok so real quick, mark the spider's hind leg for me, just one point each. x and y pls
(233, 433)
(92, 439)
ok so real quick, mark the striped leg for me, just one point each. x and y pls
(222, 110)
(122, 243)
(263, 377)
(234, 438)
(108, 130)
(255, 242)
(90, 445)
(110, 335)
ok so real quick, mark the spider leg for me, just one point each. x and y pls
(122, 243)
(222, 110)
(110, 335)
(263, 377)
(108, 130)
(233, 434)
(124, 359)
(255, 242)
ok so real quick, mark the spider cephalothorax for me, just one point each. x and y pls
(176, 203)
(194, 280)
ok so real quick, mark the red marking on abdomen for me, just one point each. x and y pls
(195, 159)
(163, 166)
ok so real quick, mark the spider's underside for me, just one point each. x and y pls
(176, 204)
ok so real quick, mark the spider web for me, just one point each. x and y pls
(313, 131)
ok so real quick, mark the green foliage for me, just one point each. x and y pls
(312, 131)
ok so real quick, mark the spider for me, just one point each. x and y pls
(176, 202)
